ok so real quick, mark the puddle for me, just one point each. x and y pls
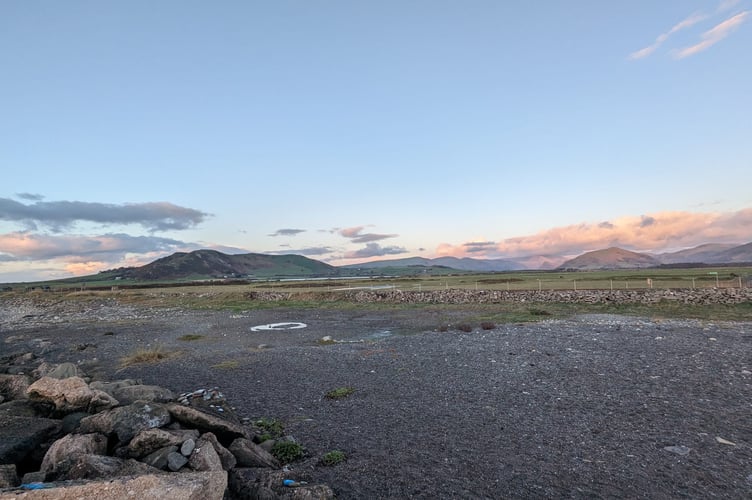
(279, 326)
(381, 334)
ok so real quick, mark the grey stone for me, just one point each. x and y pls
(101, 467)
(24, 435)
(34, 477)
(679, 450)
(176, 461)
(14, 386)
(158, 459)
(150, 440)
(205, 457)
(68, 447)
(109, 387)
(132, 419)
(187, 447)
(132, 393)
(190, 417)
(64, 370)
(23, 408)
(9, 476)
(225, 456)
(249, 454)
(187, 486)
(72, 421)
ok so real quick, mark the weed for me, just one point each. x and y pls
(339, 393)
(287, 451)
(189, 337)
(443, 328)
(270, 426)
(488, 325)
(144, 355)
(465, 327)
(227, 365)
(538, 312)
(333, 457)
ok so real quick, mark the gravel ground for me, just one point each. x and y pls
(595, 406)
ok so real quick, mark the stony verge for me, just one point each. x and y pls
(65, 436)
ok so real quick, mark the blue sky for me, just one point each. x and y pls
(348, 131)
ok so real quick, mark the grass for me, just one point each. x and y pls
(145, 355)
(190, 337)
(333, 457)
(227, 365)
(339, 393)
(271, 428)
(287, 451)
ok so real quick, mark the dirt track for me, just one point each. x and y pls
(585, 408)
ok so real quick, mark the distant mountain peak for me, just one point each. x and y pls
(610, 258)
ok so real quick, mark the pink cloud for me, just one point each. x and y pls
(686, 23)
(713, 35)
(651, 232)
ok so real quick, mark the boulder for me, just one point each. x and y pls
(225, 456)
(160, 457)
(23, 435)
(176, 461)
(109, 387)
(64, 370)
(204, 457)
(22, 408)
(249, 454)
(150, 440)
(68, 447)
(8, 476)
(132, 393)
(101, 467)
(186, 486)
(14, 386)
(190, 417)
(69, 395)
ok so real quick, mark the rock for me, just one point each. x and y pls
(150, 440)
(24, 435)
(23, 408)
(187, 448)
(103, 422)
(159, 458)
(724, 441)
(225, 456)
(132, 419)
(68, 447)
(249, 454)
(244, 483)
(64, 370)
(191, 417)
(175, 461)
(204, 457)
(34, 477)
(14, 386)
(72, 421)
(101, 467)
(679, 450)
(69, 395)
(132, 393)
(310, 492)
(268, 445)
(110, 387)
(8, 476)
(187, 486)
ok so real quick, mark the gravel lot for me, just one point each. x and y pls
(589, 407)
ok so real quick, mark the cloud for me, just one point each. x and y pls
(355, 235)
(30, 196)
(685, 23)
(479, 246)
(58, 215)
(23, 246)
(287, 232)
(374, 250)
(606, 225)
(713, 35)
(655, 232)
(306, 251)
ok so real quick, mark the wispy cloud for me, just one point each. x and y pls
(287, 232)
(713, 35)
(685, 23)
(30, 196)
(355, 235)
(374, 250)
(59, 215)
(305, 251)
(479, 246)
(654, 232)
(727, 5)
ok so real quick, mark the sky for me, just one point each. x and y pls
(352, 131)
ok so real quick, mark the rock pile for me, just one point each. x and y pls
(64, 436)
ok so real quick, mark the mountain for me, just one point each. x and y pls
(707, 253)
(610, 258)
(735, 255)
(461, 264)
(201, 264)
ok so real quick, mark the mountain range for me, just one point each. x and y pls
(203, 264)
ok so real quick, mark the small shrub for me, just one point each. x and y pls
(287, 451)
(538, 312)
(464, 327)
(443, 328)
(488, 325)
(144, 355)
(189, 337)
(339, 393)
(270, 427)
(333, 457)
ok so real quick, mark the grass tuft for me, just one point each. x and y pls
(465, 327)
(339, 393)
(287, 451)
(190, 337)
(333, 457)
(145, 355)
(227, 365)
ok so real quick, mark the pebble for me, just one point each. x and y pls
(187, 448)
(679, 450)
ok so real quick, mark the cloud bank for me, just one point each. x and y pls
(60, 215)
(657, 232)
(287, 232)
(374, 250)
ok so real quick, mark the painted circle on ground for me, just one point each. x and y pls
(279, 326)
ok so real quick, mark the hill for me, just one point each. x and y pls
(707, 253)
(202, 264)
(460, 264)
(610, 258)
